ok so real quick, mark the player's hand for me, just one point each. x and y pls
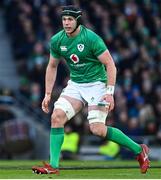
(45, 103)
(109, 99)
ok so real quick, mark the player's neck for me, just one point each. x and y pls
(76, 32)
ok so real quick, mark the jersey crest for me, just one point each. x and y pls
(74, 58)
(80, 47)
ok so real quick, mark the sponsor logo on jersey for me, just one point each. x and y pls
(74, 58)
(63, 48)
(80, 47)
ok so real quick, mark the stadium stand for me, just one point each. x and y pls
(132, 32)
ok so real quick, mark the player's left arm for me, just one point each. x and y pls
(106, 59)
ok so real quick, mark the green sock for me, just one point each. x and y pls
(56, 141)
(120, 138)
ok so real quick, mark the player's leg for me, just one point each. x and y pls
(97, 117)
(117, 136)
(68, 104)
(65, 108)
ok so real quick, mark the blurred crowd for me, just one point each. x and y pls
(132, 33)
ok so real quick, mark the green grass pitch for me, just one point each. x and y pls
(80, 170)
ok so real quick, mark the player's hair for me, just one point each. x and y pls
(73, 11)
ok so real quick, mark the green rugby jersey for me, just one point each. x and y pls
(80, 53)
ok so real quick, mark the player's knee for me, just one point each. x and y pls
(58, 118)
(98, 129)
(65, 106)
(97, 122)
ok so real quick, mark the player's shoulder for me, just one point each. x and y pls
(90, 34)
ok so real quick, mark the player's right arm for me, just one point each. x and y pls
(50, 78)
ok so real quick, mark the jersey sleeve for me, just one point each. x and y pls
(98, 46)
(54, 49)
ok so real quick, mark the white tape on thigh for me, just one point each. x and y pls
(66, 106)
(97, 116)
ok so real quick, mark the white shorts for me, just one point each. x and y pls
(90, 93)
